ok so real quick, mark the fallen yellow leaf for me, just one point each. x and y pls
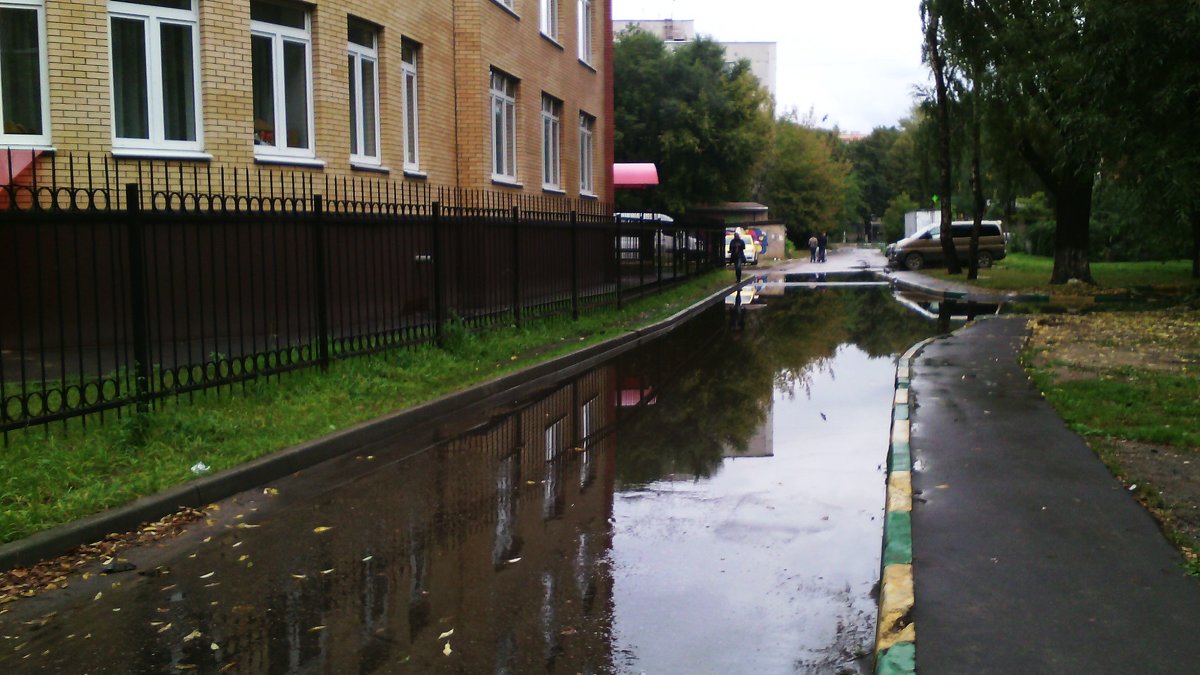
(319, 530)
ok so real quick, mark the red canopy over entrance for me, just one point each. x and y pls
(634, 176)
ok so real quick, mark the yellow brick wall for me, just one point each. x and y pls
(460, 41)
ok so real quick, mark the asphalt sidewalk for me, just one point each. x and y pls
(1028, 556)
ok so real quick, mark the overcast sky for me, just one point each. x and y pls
(854, 61)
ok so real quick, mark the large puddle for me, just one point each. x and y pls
(710, 503)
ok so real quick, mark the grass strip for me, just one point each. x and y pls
(54, 475)
(1031, 274)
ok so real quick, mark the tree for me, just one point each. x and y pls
(1039, 96)
(802, 182)
(931, 16)
(705, 124)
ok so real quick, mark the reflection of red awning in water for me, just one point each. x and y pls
(634, 176)
(18, 160)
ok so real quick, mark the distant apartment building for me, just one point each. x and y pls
(761, 55)
(512, 95)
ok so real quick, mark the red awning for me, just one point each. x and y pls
(633, 176)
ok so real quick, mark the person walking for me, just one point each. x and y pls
(737, 254)
(812, 248)
(822, 242)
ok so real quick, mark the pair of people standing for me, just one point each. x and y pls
(816, 247)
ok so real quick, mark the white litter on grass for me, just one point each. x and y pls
(200, 468)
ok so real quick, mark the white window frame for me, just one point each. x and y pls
(361, 54)
(411, 93)
(279, 34)
(548, 18)
(551, 143)
(42, 139)
(504, 134)
(587, 154)
(152, 18)
(584, 22)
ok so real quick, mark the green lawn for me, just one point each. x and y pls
(1031, 273)
(50, 476)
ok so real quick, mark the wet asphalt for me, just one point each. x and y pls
(1029, 557)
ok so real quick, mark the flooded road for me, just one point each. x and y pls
(709, 503)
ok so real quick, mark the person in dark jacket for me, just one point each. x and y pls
(822, 242)
(737, 254)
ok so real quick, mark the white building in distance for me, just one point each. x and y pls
(673, 32)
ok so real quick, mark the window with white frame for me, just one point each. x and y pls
(155, 52)
(504, 127)
(281, 59)
(24, 95)
(410, 53)
(363, 62)
(587, 153)
(548, 12)
(584, 34)
(551, 142)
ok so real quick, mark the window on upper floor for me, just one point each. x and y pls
(155, 55)
(587, 157)
(363, 64)
(409, 62)
(24, 97)
(548, 13)
(584, 33)
(551, 142)
(281, 60)
(504, 127)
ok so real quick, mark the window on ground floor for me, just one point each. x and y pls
(24, 97)
(281, 60)
(363, 61)
(551, 142)
(504, 127)
(155, 53)
(409, 62)
(587, 127)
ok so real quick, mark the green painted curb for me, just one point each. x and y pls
(897, 535)
(901, 457)
(900, 659)
(901, 412)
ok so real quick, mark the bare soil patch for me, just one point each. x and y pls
(1106, 345)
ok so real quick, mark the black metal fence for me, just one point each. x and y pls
(122, 283)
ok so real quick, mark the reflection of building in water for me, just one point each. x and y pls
(497, 535)
(762, 442)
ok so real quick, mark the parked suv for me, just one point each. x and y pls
(924, 247)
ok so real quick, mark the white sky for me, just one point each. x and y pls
(855, 61)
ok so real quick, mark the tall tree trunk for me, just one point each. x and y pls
(976, 187)
(1196, 242)
(945, 185)
(1072, 213)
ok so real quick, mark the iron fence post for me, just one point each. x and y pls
(658, 252)
(620, 262)
(320, 281)
(439, 308)
(574, 265)
(516, 264)
(137, 298)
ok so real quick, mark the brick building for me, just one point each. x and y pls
(513, 95)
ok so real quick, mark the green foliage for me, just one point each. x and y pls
(893, 217)
(803, 183)
(704, 123)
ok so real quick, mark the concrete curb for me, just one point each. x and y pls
(896, 634)
(426, 416)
